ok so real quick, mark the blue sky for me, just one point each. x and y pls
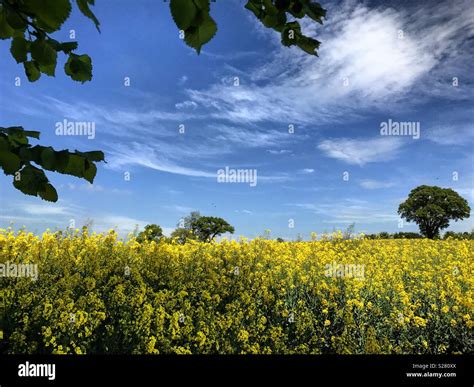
(378, 61)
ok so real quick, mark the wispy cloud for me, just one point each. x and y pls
(449, 134)
(360, 152)
(375, 184)
(371, 58)
(347, 211)
(44, 209)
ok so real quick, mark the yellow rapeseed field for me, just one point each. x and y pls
(99, 294)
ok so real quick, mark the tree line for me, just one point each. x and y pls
(430, 207)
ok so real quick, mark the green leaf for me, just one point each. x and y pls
(183, 12)
(32, 180)
(79, 67)
(49, 193)
(84, 8)
(48, 70)
(32, 71)
(16, 21)
(48, 159)
(43, 53)
(16, 135)
(196, 37)
(67, 47)
(75, 166)
(19, 49)
(90, 172)
(203, 5)
(50, 14)
(256, 9)
(31, 133)
(92, 156)
(290, 33)
(307, 44)
(6, 31)
(297, 9)
(315, 12)
(9, 161)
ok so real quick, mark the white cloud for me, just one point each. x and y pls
(186, 105)
(451, 134)
(279, 151)
(180, 209)
(122, 223)
(375, 184)
(306, 170)
(150, 157)
(360, 152)
(251, 137)
(362, 46)
(44, 209)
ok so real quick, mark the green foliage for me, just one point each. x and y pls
(432, 208)
(182, 235)
(193, 18)
(406, 235)
(17, 156)
(200, 228)
(459, 235)
(28, 24)
(208, 227)
(152, 232)
(274, 14)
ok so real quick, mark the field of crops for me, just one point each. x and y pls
(98, 294)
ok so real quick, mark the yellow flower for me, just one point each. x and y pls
(445, 309)
(327, 323)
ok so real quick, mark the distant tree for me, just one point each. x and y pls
(280, 239)
(459, 235)
(189, 222)
(406, 235)
(370, 236)
(383, 235)
(349, 231)
(152, 232)
(206, 228)
(432, 208)
(181, 235)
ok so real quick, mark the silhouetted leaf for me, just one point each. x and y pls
(19, 49)
(86, 11)
(32, 70)
(196, 37)
(183, 12)
(79, 67)
(9, 162)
